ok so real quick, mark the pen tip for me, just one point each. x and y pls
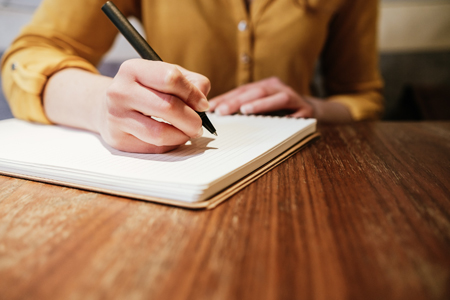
(215, 133)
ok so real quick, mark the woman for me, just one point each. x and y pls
(259, 56)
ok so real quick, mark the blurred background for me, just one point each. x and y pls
(414, 44)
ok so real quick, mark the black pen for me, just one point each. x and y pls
(141, 46)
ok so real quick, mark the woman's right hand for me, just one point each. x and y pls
(122, 109)
(144, 89)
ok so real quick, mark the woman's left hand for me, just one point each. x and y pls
(264, 96)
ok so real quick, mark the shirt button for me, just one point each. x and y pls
(245, 58)
(242, 26)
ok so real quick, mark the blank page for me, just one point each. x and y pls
(207, 164)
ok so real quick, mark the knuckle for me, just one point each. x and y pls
(260, 92)
(112, 92)
(126, 67)
(274, 80)
(116, 90)
(204, 85)
(114, 100)
(172, 77)
(191, 97)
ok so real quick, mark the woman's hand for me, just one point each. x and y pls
(142, 90)
(260, 97)
(271, 95)
(122, 109)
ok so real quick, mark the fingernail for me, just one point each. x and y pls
(246, 109)
(199, 133)
(203, 105)
(222, 110)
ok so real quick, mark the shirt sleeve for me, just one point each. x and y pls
(350, 60)
(62, 34)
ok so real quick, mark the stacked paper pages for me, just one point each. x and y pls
(193, 172)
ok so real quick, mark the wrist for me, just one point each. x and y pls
(329, 112)
(315, 105)
(74, 97)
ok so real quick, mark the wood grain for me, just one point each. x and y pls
(363, 213)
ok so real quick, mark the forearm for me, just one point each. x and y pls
(73, 97)
(120, 109)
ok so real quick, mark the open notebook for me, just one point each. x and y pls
(200, 174)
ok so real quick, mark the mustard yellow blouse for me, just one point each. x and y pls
(217, 38)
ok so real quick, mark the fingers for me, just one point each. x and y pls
(277, 102)
(214, 103)
(200, 81)
(234, 104)
(169, 79)
(152, 103)
(129, 143)
(142, 90)
(273, 102)
(264, 96)
(135, 132)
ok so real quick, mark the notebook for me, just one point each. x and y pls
(200, 174)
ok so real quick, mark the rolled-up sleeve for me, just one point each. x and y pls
(350, 60)
(62, 34)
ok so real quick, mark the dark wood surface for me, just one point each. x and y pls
(362, 213)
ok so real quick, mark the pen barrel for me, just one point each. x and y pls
(206, 122)
(141, 46)
(129, 32)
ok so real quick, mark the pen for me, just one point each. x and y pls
(141, 46)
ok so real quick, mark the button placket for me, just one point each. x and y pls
(245, 58)
(243, 25)
(244, 40)
(244, 52)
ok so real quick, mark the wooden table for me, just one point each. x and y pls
(362, 213)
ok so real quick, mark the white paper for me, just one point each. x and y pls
(190, 173)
